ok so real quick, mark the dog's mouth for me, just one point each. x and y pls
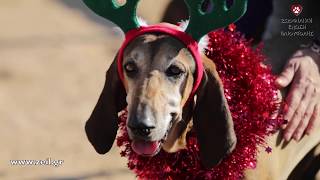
(146, 148)
(149, 148)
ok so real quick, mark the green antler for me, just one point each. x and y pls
(123, 16)
(202, 23)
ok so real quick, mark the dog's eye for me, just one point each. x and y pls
(130, 67)
(174, 70)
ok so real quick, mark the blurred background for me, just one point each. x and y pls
(53, 59)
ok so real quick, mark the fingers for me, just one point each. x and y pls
(293, 100)
(314, 121)
(286, 76)
(305, 122)
(303, 114)
(302, 108)
(297, 102)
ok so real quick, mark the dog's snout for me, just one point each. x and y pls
(142, 121)
(141, 126)
(143, 132)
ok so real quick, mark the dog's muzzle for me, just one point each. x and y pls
(145, 147)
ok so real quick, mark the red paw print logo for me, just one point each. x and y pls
(296, 9)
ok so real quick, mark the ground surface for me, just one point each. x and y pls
(53, 57)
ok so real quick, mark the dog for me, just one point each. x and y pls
(156, 92)
(158, 71)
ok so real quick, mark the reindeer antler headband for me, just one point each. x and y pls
(199, 25)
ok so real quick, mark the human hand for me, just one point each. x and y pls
(302, 109)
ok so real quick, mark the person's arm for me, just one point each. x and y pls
(302, 109)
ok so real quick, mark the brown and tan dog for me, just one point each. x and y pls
(158, 80)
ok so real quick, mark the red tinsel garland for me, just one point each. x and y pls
(251, 94)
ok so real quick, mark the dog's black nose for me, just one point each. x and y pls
(143, 132)
(141, 120)
(141, 128)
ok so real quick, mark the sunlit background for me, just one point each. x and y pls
(53, 59)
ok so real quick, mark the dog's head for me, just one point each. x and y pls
(158, 79)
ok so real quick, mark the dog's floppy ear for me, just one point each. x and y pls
(101, 128)
(212, 118)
